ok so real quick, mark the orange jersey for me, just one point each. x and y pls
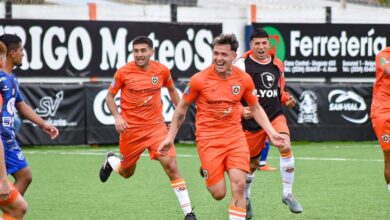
(141, 92)
(219, 110)
(381, 92)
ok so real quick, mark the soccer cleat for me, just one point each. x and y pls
(190, 216)
(106, 169)
(292, 203)
(267, 168)
(201, 172)
(249, 211)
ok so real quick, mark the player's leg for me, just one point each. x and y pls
(237, 163)
(178, 184)
(17, 166)
(287, 165)
(15, 207)
(381, 127)
(131, 146)
(255, 142)
(263, 159)
(237, 207)
(169, 164)
(23, 179)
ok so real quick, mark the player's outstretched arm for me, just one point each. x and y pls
(261, 118)
(27, 112)
(120, 123)
(174, 95)
(177, 121)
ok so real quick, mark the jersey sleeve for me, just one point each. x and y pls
(19, 95)
(168, 81)
(192, 90)
(116, 83)
(250, 94)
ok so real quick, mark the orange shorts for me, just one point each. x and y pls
(12, 197)
(381, 127)
(256, 140)
(218, 156)
(133, 142)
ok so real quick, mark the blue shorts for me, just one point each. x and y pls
(14, 158)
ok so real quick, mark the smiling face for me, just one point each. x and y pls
(223, 57)
(142, 54)
(260, 47)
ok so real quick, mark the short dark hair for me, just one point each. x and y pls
(11, 41)
(229, 39)
(259, 33)
(143, 40)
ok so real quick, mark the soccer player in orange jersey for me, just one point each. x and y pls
(220, 140)
(141, 124)
(12, 203)
(380, 108)
(266, 72)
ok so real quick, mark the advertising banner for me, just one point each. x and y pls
(326, 112)
(101, 124)
(327, 50)
(61, 105)
(60, 48)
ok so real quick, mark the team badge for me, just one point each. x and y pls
(268, 79)
(385, 138)
(236, 90)
(154, 80)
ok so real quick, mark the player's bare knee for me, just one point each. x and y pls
(126, 173)
(218, 195)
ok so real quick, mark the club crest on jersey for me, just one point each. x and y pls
(236, 90)
(268, 79)
(385, 138)
(154, 80)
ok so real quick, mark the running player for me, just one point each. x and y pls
(266, 72)
(220, 139)
(141, 124)
(12, 203)
(15, 161)
(380, 108)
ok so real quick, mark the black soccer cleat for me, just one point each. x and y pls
(106, 169)
(190, 216)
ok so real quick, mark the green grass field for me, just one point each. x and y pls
(334, 180)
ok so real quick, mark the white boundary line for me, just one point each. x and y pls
(101, 152)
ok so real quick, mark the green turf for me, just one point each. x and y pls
(334, 180)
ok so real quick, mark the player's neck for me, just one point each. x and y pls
(261, 61)
(144, 68)
(225, 74)
(8, 68)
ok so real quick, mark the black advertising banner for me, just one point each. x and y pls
(61, 105)
(326, 112)
(58, 48)
(327, 50)
(101, 124)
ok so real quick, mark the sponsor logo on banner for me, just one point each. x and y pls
(48, 107)
(104, 116)
(308, 108)
(100, 109)
(66, 48)
(168, 107)
(236, 90)
(347, 102)
(276, 39)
